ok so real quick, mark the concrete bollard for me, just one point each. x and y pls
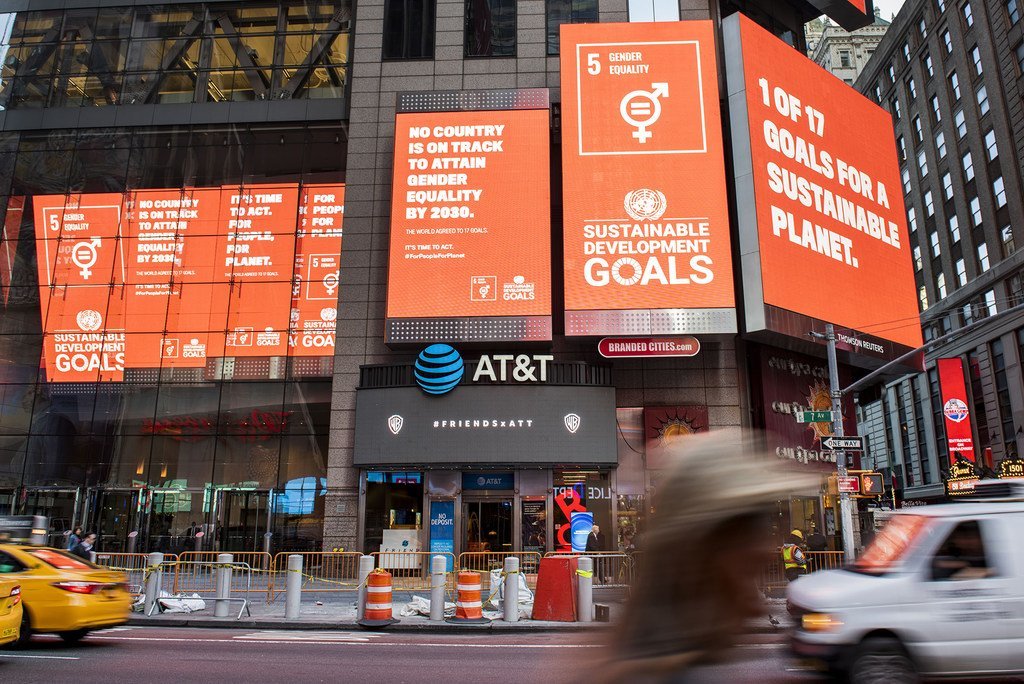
(221, 605)
(438, 570)
(365, 568)
(585, 589)
(153, 579)
(511, 589)
(293, 587)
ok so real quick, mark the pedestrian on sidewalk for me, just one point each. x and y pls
(84, 548)
(595, 543)
(74, 538)
(793, 558)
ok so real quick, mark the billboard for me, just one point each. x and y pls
(646, 223)
(822, 227)
(470, 243)
(957, 415)
(850, 14)
(169, 278)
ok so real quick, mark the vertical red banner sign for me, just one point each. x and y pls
(959, 435)
(314, 310)
(9, 243)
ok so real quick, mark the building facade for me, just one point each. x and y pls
(844, 53)
(949, 73)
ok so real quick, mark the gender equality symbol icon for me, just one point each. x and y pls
(642, 109)
(84, 255)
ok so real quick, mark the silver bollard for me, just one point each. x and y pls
(152, 581)
(438, 569)
(293, 587)
(365, 568)
(585, 590)
(221, 605)
(511, 589)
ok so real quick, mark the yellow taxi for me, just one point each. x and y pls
(10, 610)
(63, 593)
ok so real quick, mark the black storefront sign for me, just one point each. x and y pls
(487, 425)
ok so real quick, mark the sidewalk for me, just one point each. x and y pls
(339, 613)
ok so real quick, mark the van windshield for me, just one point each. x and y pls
(890, 545)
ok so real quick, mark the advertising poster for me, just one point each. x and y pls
(666, 429)
(823, 229)
(317, 271)
(442, 529)
(957, 415)
(534, 525)
(581, 523)
(81, 279)
(644, 193)
(470, 218)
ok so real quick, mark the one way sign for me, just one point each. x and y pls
(843, 443)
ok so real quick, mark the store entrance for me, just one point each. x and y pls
(242, 519)
(59, 505)
(487, 525)
(116, 517)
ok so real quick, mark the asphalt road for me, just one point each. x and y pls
(151, 654)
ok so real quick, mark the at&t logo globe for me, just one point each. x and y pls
(955, 410)
(438, 369)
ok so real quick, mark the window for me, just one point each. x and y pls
(922, 296)
(901, 145)
(912, 219)
(656, 10)
(962, 555)
(918, 261)
(928, 65)
(1006, 234)
(408, 29)
(1000, 192)
(918, 131)
(844, 58)
(936, 109)
(1019, 52)
(976, 58)
(940, 144)
(1012, 11)
(991, 151)
(892, 73)
(1002, 387)
(975, 211)
(941, 4)
(947, 186)
(912, 88)
(906, 51)
(567, 12)
(968, 163)
(954, 228)
(933, 238)
(940, 285)
(947, 41)
(490, 28)
(968, 15)
(983, 257)
(982, 94)
(922, 28)
(905, 175)
(961, 124)
(929, 205)
(878, 93)
(961, 272)
(895, 109)
(954, 86)
(922, 163)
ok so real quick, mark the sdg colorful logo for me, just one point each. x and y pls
(955, 410)
(438, 369)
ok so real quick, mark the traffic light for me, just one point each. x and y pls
(871, 484)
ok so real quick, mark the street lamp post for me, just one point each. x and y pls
(836, 393)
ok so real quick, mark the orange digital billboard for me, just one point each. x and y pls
(172, 278)
(822, 225)
(470, 225)
(646, 221)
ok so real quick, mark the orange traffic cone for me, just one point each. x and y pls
(468, 605)
(378, 600)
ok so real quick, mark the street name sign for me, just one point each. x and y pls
(814, 416)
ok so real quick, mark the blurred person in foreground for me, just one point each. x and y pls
(703, 551)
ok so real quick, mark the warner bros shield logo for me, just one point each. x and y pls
(572, 423)
(395, 424)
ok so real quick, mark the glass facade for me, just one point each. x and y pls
(234, 448)
(182, 53)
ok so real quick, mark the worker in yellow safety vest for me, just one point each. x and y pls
(793, 556)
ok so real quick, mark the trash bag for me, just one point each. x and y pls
(421, 606)
(181, 603)
(496, 596)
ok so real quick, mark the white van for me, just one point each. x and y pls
(938, 593)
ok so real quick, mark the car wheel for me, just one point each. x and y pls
(25, 633)
(882, 661)
(73, 637)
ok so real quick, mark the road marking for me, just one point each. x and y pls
(41, 657)
(339, 643)
(311, 636)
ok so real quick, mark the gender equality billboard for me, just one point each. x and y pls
(821, 222)
(470, 255)
(168, 278)
(646, 223)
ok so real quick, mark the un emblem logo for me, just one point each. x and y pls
(645, 204)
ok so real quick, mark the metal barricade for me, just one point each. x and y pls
(322, 571)
(485, 561)
(773, 575)
(241, 579)
(410, 570)
(195, 572)
(132, 564)
(824, 560)
(611, 568)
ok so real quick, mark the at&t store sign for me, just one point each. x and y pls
(440, 367)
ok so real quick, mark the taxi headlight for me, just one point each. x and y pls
(820, 622)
